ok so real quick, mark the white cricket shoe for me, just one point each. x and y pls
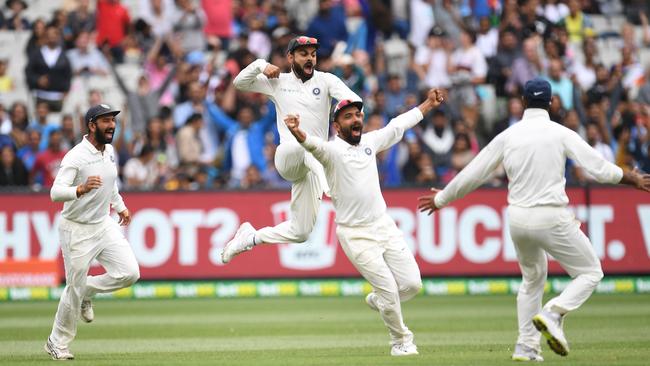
(87, 313)
(524, 353)
(370, 300)
(238, 243)
(549, 323)
(404, 349)
(58, 353)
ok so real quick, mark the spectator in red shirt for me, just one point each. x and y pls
(48, 161)
(219, 18)
(112, 26)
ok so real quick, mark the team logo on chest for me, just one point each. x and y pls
(368, 151)
(316, 91)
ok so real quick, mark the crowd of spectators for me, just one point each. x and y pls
(184, 126)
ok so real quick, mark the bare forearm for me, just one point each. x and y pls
(426, 107)
(298, 134)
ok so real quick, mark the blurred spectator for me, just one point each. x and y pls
(112, 26)
(6, 82)
(431, 60)
(395, 95)
(144, 101)
(48, 71)
(561, 85)
(157, 67)
(448, 18)
(43, 124)
(525, 67)
(328, 26)
(69, 137)
(159, 14)
(487, 39)
(555, 11)
(585, 71)
(17, 21)
(19, 122)
(81, 19)
(27, 154)
(12, 170)
(37, 39)
(48, 161)
(245, 139)
(577, 23)
(467, 68)
(500, 66)
(437, 139)
(85, 59)
(461, 153)
(515, 113)
(196, 104)
(418, 169)
(189, 21)
(189, 143)
(350, 73)
(252, 179)
(219, 18)
(141, 172)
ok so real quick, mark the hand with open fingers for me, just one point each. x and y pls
(643, 180)
(93, 182)
(427, 204)
(125, 218)
(271, 71)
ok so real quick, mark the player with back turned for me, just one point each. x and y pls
(533, 153)
(87, 183)
(308, 92)
(368, 235)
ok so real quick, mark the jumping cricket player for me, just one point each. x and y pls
(309, 92)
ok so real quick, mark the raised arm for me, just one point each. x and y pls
(219, 117)
(64, 189)
(314, 145)
(470, 178)
(394, 131)
(255, 77)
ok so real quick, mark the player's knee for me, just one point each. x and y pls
(131, 277)
(409, 289)
(594, 276)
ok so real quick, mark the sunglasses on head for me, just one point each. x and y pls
(306, 40)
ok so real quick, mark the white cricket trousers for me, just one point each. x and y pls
(80, 244)
(380, 254)
(308, 184)
(553, 230)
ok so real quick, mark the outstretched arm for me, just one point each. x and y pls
(394, 131)
(636, 179)
(470, 178)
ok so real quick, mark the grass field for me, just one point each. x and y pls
(449, 330)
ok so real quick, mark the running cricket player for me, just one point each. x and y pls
(368, 236)
(309, 92)
(87, 183)
(534, 152)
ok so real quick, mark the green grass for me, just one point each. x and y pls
(451, 330)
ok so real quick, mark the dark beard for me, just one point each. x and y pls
(100, 136)
(346, 135)
(301, 73)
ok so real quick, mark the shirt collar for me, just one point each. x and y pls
(536, 113)
(93, 150)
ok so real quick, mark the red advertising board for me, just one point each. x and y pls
(180, 235)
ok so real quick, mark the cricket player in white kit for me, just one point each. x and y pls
(87, 183)
(534, 152)
(308, 92)
(368, 236)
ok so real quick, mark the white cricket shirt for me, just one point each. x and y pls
(351, 170)
(534, 153)
(311, 100)
(78, 164)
